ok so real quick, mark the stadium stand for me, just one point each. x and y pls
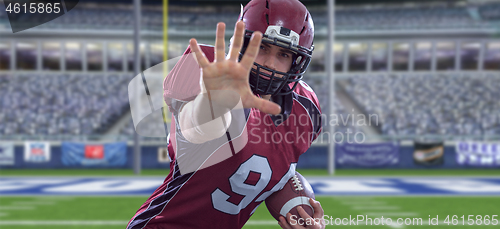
(403, 18)
(490, 11)
(318, 84)
(128, 130)
(409, 105)
(342, 113)
(61, 104)
(82, 103)
(91, 17)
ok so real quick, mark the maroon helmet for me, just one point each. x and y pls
(284, 23)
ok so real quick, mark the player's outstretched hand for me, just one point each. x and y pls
(227, 74)
(315, 222)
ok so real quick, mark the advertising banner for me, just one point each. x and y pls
(428, 153)
(368, 155)
(94, 155)
(163, 155)
(480, 154)
(7, 154)
(36, 152)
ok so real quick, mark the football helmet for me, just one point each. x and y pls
(284, 23)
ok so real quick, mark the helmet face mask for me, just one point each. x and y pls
(276, 82)
(281, 25)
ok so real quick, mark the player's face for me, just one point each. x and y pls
(274, 57)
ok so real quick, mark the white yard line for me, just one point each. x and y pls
(123, 222)
(375, 208)
(101, 222)
(262, 222)
(354, 198)
(17, 207)
(388, 214)
(372, 204)
(45, 198)
(362, 203)
(396, 226)
(34, 203)
(63, 222)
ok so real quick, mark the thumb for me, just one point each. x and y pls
(265, 106)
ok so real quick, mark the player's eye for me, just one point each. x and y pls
(285, 55)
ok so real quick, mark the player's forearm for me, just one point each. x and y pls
(202, 120)
(206, 110)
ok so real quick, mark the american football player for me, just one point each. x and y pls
(240, 122)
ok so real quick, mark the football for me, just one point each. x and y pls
(296, 192)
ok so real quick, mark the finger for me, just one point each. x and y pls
(318, 210)
(264, 105)
(303, 213)
(237, 43)
(293, 221)
(200, 56)
(252, 50)
(283, 223)
(220, 50)
(317, 220)
(312, 221)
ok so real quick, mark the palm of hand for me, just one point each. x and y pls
(230, 76)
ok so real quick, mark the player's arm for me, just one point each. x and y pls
(201, 120)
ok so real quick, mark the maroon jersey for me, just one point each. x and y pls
(220, 183)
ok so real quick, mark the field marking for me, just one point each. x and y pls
(392, 214)
(101, 222)
(34, 203)
(376, 208)
(373, 204)
(63, 222)
(337, 186)
(362, 203)
(354, 198)
(44, 198)
(122, 222)
(261, 222)
(17, 207)
(377, 195)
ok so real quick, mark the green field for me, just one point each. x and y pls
(114, 212)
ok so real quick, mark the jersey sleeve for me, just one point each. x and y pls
(310, 101)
